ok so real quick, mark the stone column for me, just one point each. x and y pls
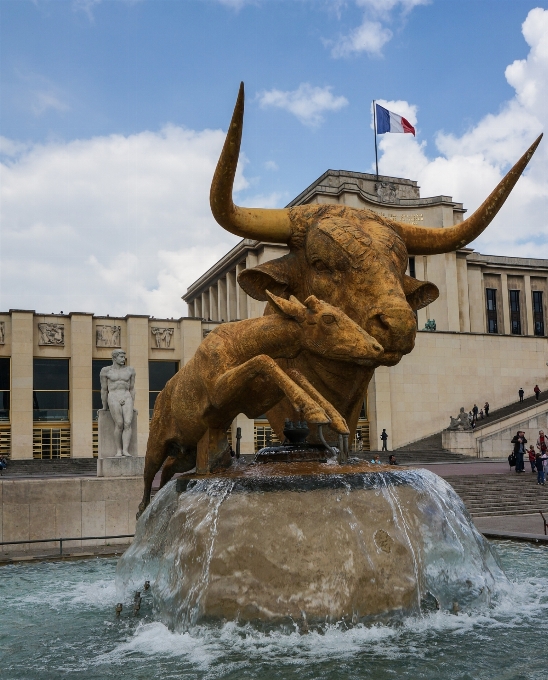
(505, 304)
(22, 324)
(81, 348)
(222, 313)
(214, 302)
(464, 301)
(451, 284)
(205, 304)
(138, 342)
(241, 296)
(379, 403)
(191, 337)
(528, 305)
(231, 296)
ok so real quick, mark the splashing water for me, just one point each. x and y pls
(185, 545)
(58, 622)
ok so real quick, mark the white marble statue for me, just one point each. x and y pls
(118, 397)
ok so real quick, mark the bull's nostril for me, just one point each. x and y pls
(384, 320)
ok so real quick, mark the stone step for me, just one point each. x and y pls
(67, 466)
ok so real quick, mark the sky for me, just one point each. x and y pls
(113, 114)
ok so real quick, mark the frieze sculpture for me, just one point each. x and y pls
(162, 337)
(2, 332)
(108, 336)
(118, 397)
(353, 259)
(386, 191)
(430, 325)
(51, 334)
(461, 422)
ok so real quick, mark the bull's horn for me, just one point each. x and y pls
(256, 223)
(425, 241)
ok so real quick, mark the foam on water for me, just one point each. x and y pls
(65, 627)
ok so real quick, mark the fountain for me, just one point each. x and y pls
(304, 534)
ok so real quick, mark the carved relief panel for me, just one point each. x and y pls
(162, 337)
(108, 336)
(2, 332)
(51, 334)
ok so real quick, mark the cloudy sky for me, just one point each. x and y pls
(113, 112)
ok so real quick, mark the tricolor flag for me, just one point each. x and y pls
(391, 122)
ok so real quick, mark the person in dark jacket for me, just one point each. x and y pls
(540, 468)
(519, 442)
(521, 393)
(384, 439)
(486, 409)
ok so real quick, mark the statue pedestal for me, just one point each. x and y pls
(110, 465)
(459, 441)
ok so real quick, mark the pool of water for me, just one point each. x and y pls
(57, 621)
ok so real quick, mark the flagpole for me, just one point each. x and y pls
(375, 131)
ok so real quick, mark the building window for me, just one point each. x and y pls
(96, 366)
(159, 372)
(538, 312)
(491, 298)
(515, 316)
(412, 270)
(4, 389)
(51, 390)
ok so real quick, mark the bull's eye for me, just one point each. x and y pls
(320, 266)
(328, 318)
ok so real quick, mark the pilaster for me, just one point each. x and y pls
(21, 384)
(81, 347)
(137, 356)
(379, 404)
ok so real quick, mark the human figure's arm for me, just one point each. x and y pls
(132, 384)
(104, 388)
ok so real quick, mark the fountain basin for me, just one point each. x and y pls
(308, 541)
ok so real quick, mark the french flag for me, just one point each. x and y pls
(391, 122)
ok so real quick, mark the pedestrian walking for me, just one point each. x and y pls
(521, 393)
(536, 390)
(540, 469)
(481, 414)
(532, 458)
(384, 439)
(486, 409)
(519, 442)
(475, 412)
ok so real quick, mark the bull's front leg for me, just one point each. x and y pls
(338, 423)
(230, 386)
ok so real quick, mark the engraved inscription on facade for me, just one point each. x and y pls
(108, 336)
(409, 218)
(2, 332)
(162, 337)
(51, 334)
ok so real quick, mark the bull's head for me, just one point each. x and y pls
(354, 259)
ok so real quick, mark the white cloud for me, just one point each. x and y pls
(372, 34)
(271, 165)
(307, 103)
(470, 166)
(109, 225)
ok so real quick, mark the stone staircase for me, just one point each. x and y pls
(56, 468)
(491, 495)
(427, 450)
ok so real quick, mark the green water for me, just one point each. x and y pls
(57, 621)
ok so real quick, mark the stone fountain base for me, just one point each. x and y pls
(308, 541)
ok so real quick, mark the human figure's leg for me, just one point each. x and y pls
(127, 411)
(118, 418)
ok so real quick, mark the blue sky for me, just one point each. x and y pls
(112, 114)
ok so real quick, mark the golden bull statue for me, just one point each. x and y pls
(352, 259)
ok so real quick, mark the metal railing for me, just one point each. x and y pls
(65, 540)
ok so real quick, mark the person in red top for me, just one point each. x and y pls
(532, 458)
(536, 390)
(542, 442)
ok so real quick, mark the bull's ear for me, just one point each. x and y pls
(419, 294)
(273, 275)
(291, 308)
